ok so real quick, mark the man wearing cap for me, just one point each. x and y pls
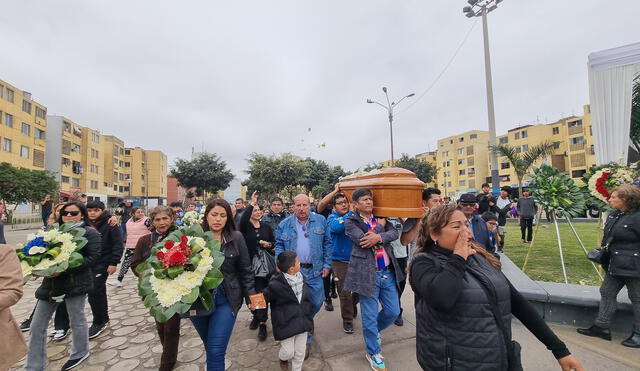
(468, 205)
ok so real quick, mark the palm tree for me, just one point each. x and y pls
(522, 161)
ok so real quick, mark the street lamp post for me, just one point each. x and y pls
(389, 108)
(480, 8)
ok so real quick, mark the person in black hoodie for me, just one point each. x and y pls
(71, 287)
(291, 318)
(112, 246)
(464, 304)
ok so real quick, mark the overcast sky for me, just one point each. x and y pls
(236, 77)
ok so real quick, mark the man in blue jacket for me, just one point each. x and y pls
(478, 226)
(306, 233)
(341, 253)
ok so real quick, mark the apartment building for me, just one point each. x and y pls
(23, 127)
(147, 173)
(430, 157)
(116, 173)
(64, 154)
(463, 162)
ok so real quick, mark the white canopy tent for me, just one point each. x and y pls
(611, 76)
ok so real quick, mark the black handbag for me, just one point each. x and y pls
(263, 264)
(599, 255)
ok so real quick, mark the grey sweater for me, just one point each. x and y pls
(527, 207)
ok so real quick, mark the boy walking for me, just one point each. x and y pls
(291, 318)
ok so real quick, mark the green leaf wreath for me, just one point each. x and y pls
(557, 192)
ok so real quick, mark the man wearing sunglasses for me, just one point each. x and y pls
(306, 233)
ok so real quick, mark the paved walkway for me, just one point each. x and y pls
(131, 342)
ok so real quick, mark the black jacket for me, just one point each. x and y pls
(238, 279)
(288, 316)
(624, 232)
(112, 244)
(272, 220)
(76, 281)
(456, 328)
(483, 203)
(481, 234)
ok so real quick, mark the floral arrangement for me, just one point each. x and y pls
(557, 192)
(192, 218)
(52, 251)
(182, 269)
(602, 180)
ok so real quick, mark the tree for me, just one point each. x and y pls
(270, 174)
(635, 115)
(423, 170)
(20, 185)
(206, 172)
(522, 161)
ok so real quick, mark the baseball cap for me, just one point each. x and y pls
(467, 198)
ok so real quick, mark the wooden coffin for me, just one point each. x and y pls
(396, 192)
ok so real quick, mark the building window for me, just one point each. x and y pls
(94, 184)
(576, 140)
(471, 171)
(516, 136)
(39, 134)
(575, 123)
(6, 145)
(75, 148)
(115, 161)
(450, 141)
(525, 147)
(555, 131)
(524, 134)
(41, 113)
(504, 140)
(141, 189)
(127, 152)
(38, 158)
(127, 164)
(473, 136)
(64, 179)
(8, 120)
(518, 149)
(67, 127)
(556, 145)
(462, 183)
(461, 139)
(462, 172)
(1, 91)
(24, 151)
(10, 95)
(26, 129)
(461, 161)
(461, 151)
(445, 153)
(448, 184)
(95, 138)
(26, 106)
(505, 165)
(75, 182)
(577, 173)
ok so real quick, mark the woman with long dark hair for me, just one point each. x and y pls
(257, 235)
(71, 286)
(464, 304)
(622, 235)
(162, 222)
(238, 283)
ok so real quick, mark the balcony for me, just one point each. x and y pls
(576, 147)
(575, 130)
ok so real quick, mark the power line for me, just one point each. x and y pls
(446, 67)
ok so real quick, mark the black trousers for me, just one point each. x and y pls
(526, 224)
(261, 315)
(329, 284)
(402, 262)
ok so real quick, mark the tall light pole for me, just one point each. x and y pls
(389, 108)
(480, 8)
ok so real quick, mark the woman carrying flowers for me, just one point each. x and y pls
(70, 286)
(162, 221)
(215, 329)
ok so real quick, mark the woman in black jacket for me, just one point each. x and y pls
(622, 235)
(257, 235)
(71, 287)
(215, 330)
(464, 303)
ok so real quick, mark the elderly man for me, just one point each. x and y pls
(306, 234)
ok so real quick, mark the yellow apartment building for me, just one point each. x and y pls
(114, 165)
(23, 127)
(156, 163)
(92, 177)
(147, 170)
(430, 157)
(463, 162)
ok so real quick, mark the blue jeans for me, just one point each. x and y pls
(215, 331)
(373, 321)
(317, 293)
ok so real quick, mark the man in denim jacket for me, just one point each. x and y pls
(306, 233)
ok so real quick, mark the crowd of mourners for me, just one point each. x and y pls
(333, 249)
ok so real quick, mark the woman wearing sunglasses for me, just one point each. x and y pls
(71, 286)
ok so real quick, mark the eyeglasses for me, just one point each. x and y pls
(304, 229)
(67, 213)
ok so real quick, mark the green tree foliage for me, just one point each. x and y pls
(556, 191)
(206, 172)
(635, 115)
(521, 162)
(19, 185)
(423, 170)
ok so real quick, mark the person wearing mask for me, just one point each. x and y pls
(237, 285)
(373, 273)
(275, 215)
(306, 234)
(527, 209)
(503, 206)
(110, 253)
(136, 227)
(72, 286)
(464, 304)
(622, 265)
(341, 255)
(169, 332)
(12, 346)
(257, 235)
(467, 204)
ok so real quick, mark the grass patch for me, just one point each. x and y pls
(544, 261)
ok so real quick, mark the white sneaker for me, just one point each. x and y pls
(115, 283)
(60, 334)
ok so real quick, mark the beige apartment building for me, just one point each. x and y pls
(147, 171)
(23, 127)
(463, 162)
(116, 184)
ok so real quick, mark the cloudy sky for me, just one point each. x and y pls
(237, 77)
